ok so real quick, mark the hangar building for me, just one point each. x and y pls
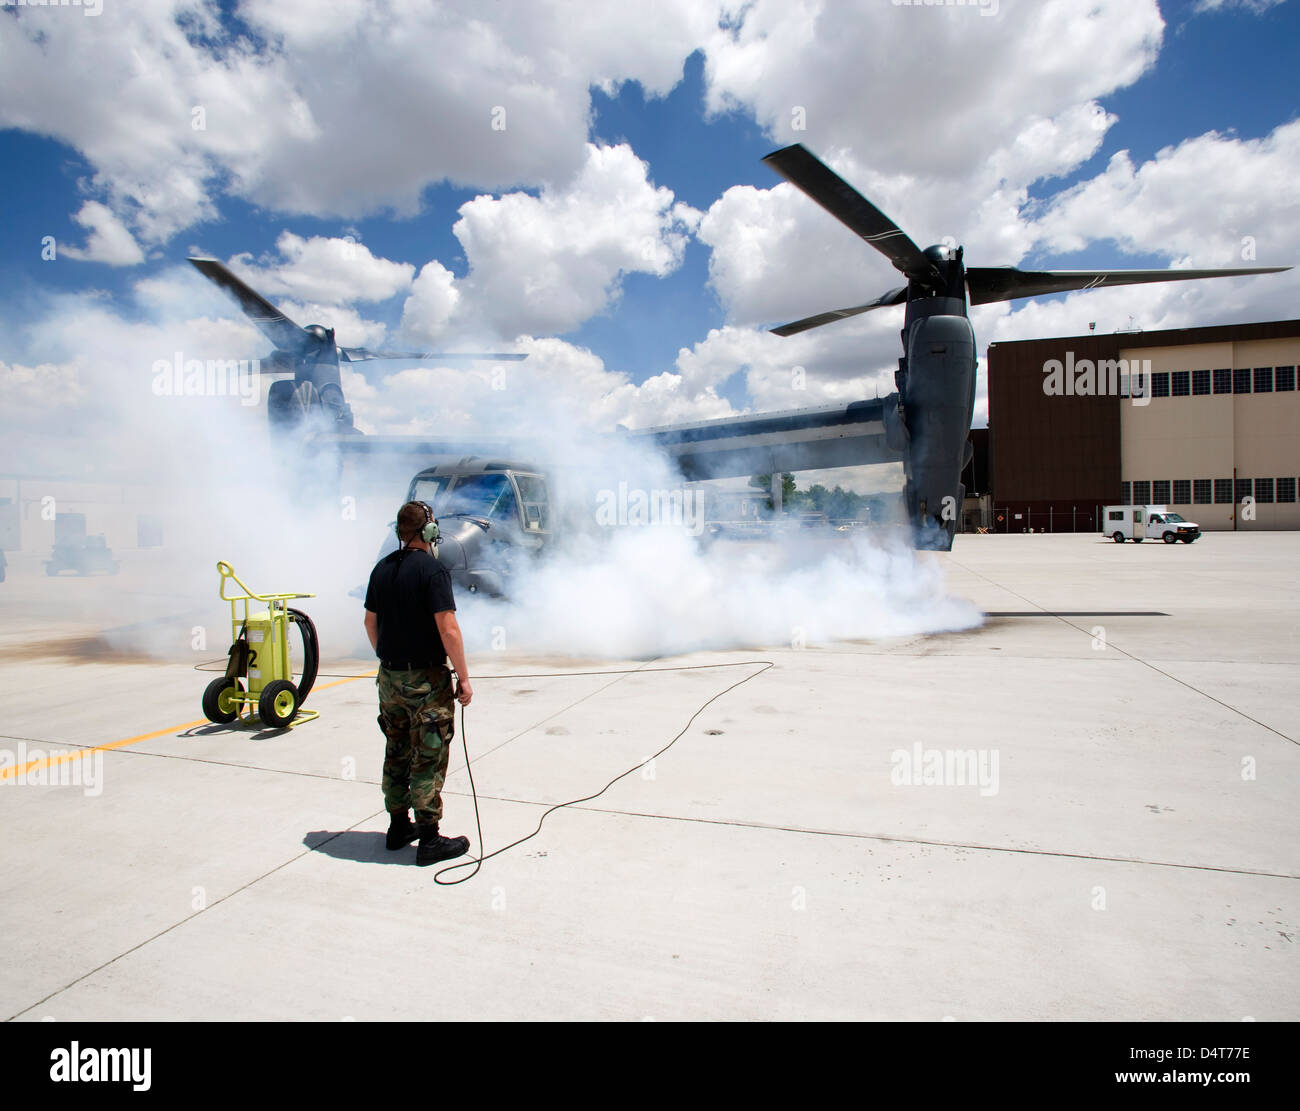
(1204, 420)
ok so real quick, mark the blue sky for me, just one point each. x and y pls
(641, 280)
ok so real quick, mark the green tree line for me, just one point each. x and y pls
(836, 504)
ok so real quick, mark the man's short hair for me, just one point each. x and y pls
(411, 518)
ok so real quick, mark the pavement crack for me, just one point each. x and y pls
(1136, 659)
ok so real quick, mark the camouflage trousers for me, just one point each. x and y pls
(417, 712)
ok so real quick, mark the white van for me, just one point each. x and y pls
(1137, 522)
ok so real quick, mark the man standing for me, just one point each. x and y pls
(411, 623)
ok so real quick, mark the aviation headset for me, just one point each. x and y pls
(429, 533)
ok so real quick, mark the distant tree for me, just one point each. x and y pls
(788, 489)
(789, 493)
(845, 504)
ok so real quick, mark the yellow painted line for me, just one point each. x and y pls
(80, 754)
(349, 679)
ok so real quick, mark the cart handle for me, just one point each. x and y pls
(227, 572)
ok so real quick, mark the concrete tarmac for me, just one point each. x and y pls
(1084, 809)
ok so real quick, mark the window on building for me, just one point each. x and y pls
(1284, 379)
(1160, 384)
(1141, 493)
(1160, 491)
(1223, 491)
(1223, 381)
(1200, 382)
(1244, 488)
(1241, 381)
(1286, 490)
(1182, 491)
(1180, 383)
(1263, 379)
(1264, 490)
(1124, 492)
(1202, 491)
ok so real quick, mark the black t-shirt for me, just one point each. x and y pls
(406, 589)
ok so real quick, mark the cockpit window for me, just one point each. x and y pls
(427, 491)
(484, 495)
(532, 492)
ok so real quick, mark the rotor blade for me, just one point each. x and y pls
(893, 297)
(361, 354)
(282, 331)
(806, 172)
(1004, 283)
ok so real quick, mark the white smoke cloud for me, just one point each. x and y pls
(205, 466)
(653, 592)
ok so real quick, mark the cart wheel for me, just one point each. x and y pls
(220, 700)
(279, 703)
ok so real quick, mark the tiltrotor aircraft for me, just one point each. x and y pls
(926, 423)
(314, 398)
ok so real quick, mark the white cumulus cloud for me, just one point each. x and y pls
(109, 241)
(547, 263)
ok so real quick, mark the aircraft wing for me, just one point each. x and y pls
(795, 440)
(766, 443)
(361, 354)
(444, 448)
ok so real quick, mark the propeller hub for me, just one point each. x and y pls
(942, 252)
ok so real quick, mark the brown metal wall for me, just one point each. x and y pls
(1059, 449)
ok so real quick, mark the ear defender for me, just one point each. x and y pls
(429, 534)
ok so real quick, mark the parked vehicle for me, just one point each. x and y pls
(75, 551)
(1137, 522)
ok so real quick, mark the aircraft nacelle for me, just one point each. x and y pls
(937, 394)
(291, 403)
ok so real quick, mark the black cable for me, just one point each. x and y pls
(478, 863)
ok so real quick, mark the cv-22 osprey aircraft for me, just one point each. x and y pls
(925, 425)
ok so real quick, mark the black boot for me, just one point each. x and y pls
(401, 830)
(434, 848)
